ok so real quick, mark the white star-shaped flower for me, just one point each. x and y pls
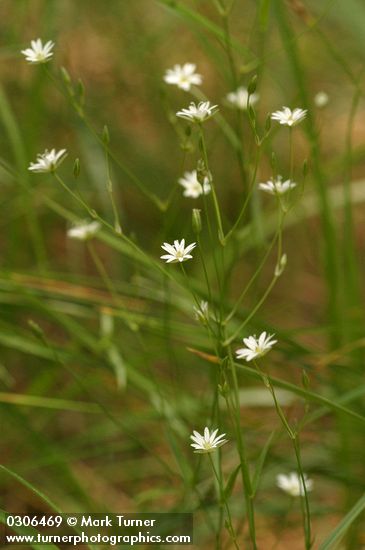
(256, 347)
(192, 187)
(239, 98)
(288, 117)
(198, 113)
(277, 186)
(293, 484)
(183, 76)
(84, 230)
(48, 161)
(177, 252)
(208, 442)
(38, 53)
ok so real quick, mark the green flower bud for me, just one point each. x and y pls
(105, 135)
(76, 168)
(251, 88)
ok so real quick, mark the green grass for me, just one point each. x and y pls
(104, 369)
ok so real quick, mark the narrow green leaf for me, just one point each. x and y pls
(311, 396)
(344, 524)
(261, 462)
(203, 22)
(48, 403)
(31, 488)
(264, 11)
(37, 492)
(183, 464)
(231, 481)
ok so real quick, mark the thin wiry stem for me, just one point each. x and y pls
(293, 435)
(224, 502)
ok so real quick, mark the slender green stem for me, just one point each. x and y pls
(248, 196)
(103, 273)
(232, 64)
(291, 153)
(109, 185)
(212, 185)
(223, 500)
(69, 94)
(269, 288)
(328, 226)
(196, 300)
(206, 276)
(245, 472)
(212, 245)
(279, 410)
(252, 280)
(107, 225)
(31, 214)
(306, 514)
(293, 435)
(253, 312)
(81, 202)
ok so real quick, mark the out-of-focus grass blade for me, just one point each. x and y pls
(113, 354)
(311, 396)
(15, 137)
(20, 424)
(344, 524)
(231, 481)
(263, 13)
(260, 397)
(203, 22)
(343, 399)
(28, 346)
(307, 208)
(31, 488)
(37, 492)
(48, 403)
(348, 16)
(183, 464)
(261, 462)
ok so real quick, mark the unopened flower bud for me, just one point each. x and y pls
(251, 88)
(188, 131)
(280, 266)
(196, 221)
(105, 135)
(201, 313)
(201, 171)
(273, 162)
(76, 169)
(223, 389)
(80, 92)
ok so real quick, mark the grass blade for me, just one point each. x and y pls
(344, 524)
